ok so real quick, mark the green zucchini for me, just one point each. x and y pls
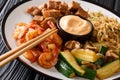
(70, 60)
(79, 61)
(103, 50)
(84, 54)
(100, 62)
(63, 68)
(119, 55)
(89, 74)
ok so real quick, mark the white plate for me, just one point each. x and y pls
(17, 14)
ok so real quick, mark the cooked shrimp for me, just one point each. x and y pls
(32, 54)
(20, 41)
(40, 30)
(22, 34)
(47, 60)
(47, 46)
(53, 49)
(31, 34)
(56, 39)
(46, 53)
(44, 46)
(51, 25)
(20, 31)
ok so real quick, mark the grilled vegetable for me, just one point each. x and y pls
(103, 50)
(108, 69)
(72, 44)
(84, 54)
(100, 62)
(64, 68)
(70, 60)
(98, 45)
(79, 61)
(89, 73)
(119, 55)
(67, 65)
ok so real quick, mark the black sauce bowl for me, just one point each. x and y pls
(68, 36)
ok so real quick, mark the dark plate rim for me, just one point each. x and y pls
(24, 1)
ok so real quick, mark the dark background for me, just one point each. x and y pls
(112, 4)
(15, 70)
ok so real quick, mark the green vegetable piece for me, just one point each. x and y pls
(89, 74)
(119, 55)
(108, 70)
(79, 60)
(63, 68)
(100, 62)
(84, 54)
(70, 60)
(103, 50)
(118, 30)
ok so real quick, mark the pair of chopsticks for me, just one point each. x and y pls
(13, 54)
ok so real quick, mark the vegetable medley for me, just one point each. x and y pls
(94, 58)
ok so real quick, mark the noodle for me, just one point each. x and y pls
(106, 30)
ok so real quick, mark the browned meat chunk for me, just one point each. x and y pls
(77, 9)
(82, 13)
(74, 6)
(63, 7)
(33, 10)
(54, 5)
(43, 6)
(38, 18)
(44, 22)
(51, 13)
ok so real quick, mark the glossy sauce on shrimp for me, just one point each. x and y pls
(46, 53)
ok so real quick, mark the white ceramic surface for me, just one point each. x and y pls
(19, 15)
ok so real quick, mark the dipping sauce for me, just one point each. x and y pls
(75, 25)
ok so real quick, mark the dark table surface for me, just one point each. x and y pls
(16, 70)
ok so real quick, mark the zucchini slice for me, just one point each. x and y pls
(100, 62)
(108, 70)
(67, 56)
(103, 50)
(89, 74)
(84, 54)
(63, 68)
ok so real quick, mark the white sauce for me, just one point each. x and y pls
(75, 25)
